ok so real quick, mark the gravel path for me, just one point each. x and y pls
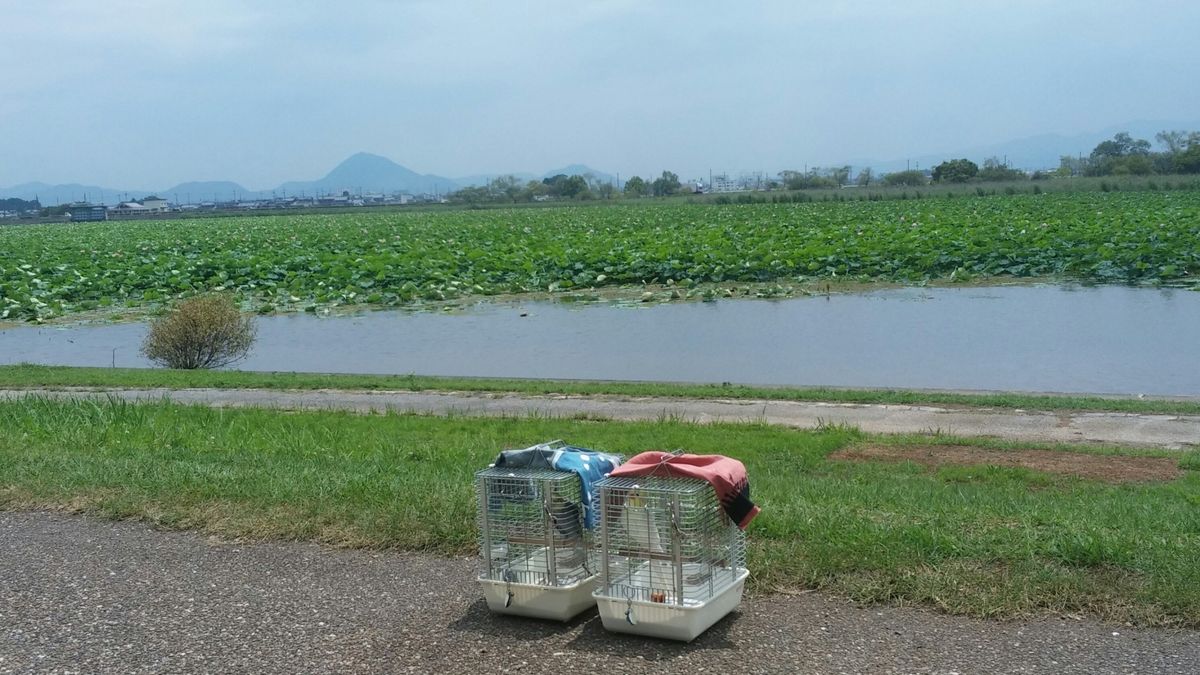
(85, 595)
(1164, 431)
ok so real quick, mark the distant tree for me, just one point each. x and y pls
(792, 180)
(605, 190)
(563, 185)
(840, 175)
(573, 187)
(1071, 166)
(909, 178)
(864, 177)
(635, 187)
(1121, 155)
(1132, 165)
(475, 194)
(995, 170)
(20, 205)
(1121, 145)
(813, 179)
(666, 184)
(955, 171)
(593, 181)
(1174, 141)
(1188, 161)
(534, 189)
(1182, 154)
(506, 188)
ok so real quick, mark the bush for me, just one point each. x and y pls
(207, 331)
(909, 178)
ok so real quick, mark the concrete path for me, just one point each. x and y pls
(91, 596)
(1162, 431)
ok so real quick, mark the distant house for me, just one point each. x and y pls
(128, 209)
(156, 204)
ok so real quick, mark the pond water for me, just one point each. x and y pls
(1022, 338)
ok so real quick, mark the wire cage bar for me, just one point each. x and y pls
(531, 526)
(671, 562)
(538, 557)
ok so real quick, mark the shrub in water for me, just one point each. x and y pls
(207, 331)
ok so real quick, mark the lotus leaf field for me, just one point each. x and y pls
(400, 258)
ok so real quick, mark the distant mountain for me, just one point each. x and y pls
(478, 180)
(481, 179)
(371, 173)
(362, 172)
(365, 172)
(50, 195)
(582, 170)
(208, 191)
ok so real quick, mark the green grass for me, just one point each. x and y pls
(35, 376)
(996, 543)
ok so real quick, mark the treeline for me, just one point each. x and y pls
(1124, 155)
(14, 205)
(510, 189)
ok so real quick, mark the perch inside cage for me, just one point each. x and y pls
(534, 525)
(672, 562)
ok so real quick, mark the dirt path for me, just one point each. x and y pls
(85, 595)
(1163, 431)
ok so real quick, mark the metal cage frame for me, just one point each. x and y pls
(667, 541)
(531, 527)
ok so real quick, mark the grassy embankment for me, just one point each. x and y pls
(27, 376)
(984, 541)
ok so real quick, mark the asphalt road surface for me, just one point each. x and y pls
(91, 596)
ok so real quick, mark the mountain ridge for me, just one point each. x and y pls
(368, 172)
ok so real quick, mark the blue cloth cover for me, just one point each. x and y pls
(589, 465)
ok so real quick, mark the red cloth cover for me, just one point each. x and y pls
(727, 476)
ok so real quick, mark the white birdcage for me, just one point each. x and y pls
(671, 561)
(537, 553)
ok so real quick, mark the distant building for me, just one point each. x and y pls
(156, 204)
(129, 209)
(82, 213)
(724, 183)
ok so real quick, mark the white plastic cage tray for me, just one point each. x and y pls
(667, 620)
(557, 603)
(538, 600)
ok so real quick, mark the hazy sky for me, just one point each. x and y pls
(145, 94)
